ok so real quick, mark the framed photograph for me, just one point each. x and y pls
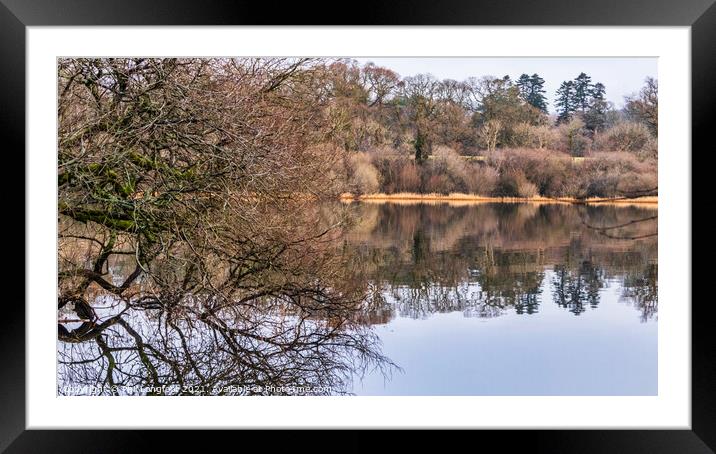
(425, 217)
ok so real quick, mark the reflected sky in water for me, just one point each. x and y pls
(606, 351)
(510, 299)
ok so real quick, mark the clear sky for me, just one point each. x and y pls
(621, 75)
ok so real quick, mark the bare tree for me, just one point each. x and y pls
(644, 107)
(201, 177)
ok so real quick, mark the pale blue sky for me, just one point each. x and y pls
(621, 75)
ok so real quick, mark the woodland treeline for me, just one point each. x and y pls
(491, 136)
(418, 134)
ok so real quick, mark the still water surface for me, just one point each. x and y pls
(511, 299)
(446, 299)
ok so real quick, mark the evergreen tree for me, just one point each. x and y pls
(525, 86)
(532, 91)
(582, 91)
(598, 91)
(595, 118)
(565, 101)
(579, 95)
(420, 145)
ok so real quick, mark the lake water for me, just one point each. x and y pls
(410, 299)
(511, 299)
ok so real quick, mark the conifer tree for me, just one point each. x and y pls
(565, 102)
(595, 117)
(532, 91)
(582, 91)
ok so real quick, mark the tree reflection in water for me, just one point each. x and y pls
(279, 321)
(484, 260)
(233, 351)
(641, 290)
(304, 326)
(574, 290)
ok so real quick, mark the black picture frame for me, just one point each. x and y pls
(16, 15)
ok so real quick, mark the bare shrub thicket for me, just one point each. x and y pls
(535, 137)
(519, 172)
(626, 136)
(363, 177)
(572, 138)
(481, 180)
(447, 172)
(616, 175)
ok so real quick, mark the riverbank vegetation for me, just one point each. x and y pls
(491, 136)
(458, 199)
(523, 173)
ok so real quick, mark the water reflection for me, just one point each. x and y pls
(640, 289)
(509, 299)
(484, 260)
(307, 323)
(574, 290)
(272, 313)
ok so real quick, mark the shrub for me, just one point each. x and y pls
(626, 136)
(635, 184)
(453, 167)
(573, 138)
(525, 188)
(404, 144)
(481, 179)
(616, 175)
(650, 150)
(535, 137)
(514, 183)
(552, 172)
(520, 172)
(408, 178)
(437, 183)
(363, 176)
(544, 137)
(388, 162)
(522, 135)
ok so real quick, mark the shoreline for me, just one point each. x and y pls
(647, 201)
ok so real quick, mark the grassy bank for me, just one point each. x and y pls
(411, 197)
